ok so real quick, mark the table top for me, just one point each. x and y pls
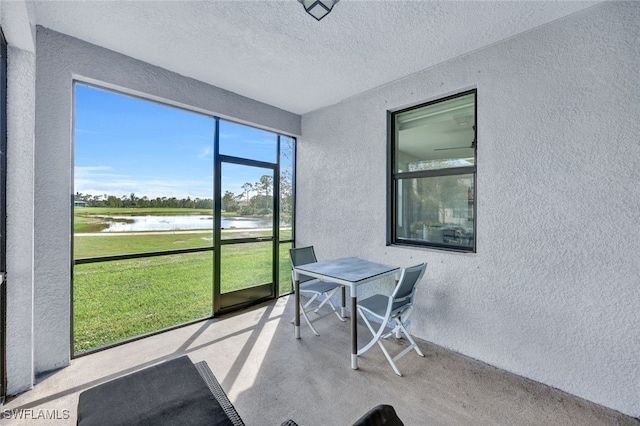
(349, 269)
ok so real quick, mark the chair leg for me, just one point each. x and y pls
(335, 311)
(339, 316)
(304, 307)
(413, 344)
(310, 301)
(376, 339)
(327, 299)
(304, 314)
(391, 360)
(378, 336)
(402, 322)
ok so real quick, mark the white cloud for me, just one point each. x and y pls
(206, 152)
(92, 180)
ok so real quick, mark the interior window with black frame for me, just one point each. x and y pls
(433, 174)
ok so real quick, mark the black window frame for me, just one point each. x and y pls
(393, 177)
(278, 242)
(3, 215)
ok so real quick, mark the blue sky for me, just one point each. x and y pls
(124, 145)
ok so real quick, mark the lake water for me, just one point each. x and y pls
(178, 223)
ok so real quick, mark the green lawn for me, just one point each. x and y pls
(85, 246)
(116, 300)
(120, 299)
(113, 244)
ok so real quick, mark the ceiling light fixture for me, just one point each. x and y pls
(318, 8)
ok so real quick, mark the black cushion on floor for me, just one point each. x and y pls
(171, 393)
(381, 415)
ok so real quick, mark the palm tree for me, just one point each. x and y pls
(247, 188)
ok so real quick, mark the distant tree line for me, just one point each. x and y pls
(133, 201)
(256, 199)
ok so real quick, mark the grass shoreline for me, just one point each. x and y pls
(92, 219)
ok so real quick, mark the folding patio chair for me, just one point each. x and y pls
(393, 311)
(313, 287)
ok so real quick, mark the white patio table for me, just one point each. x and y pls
(350, 272)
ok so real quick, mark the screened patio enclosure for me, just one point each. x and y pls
(203, 226)
(531, 254)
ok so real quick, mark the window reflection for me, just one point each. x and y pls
(436, 136)
(437, 210)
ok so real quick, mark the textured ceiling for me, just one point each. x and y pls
(273, 52)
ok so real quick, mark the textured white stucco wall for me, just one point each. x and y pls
(59, 60)
(552, 292)
(16, 19)
(20, 213)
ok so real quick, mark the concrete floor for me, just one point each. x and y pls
(270, 377)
